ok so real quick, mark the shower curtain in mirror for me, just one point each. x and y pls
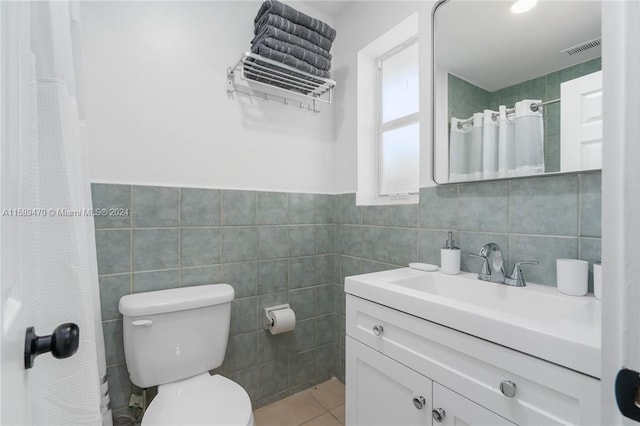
(61, 251)
(494, 144)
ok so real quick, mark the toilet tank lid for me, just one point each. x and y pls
(175, 299)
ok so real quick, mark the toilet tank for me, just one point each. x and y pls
(174, 334)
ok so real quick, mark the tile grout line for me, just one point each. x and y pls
(221, 210)
(180, 237)
(579, 211)
(131, 240)
(509, 213)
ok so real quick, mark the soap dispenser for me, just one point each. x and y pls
(450, 256)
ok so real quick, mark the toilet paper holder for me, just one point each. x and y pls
(270, 309)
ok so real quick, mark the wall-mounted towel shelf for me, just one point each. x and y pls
(264, 78)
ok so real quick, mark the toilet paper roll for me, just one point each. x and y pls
(283, 320)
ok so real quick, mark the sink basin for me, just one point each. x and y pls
(515, 301)
(536, 319)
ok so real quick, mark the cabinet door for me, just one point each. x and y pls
(458, 410)
(381, 391)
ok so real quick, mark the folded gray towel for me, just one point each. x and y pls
(311, 58)
(259, 76)
(269, 31)
(287, 59)
(274, 7)
(295, 29)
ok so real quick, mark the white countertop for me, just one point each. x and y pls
(536, 320)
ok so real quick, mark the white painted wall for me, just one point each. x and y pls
(620, 200)
(357, 26)
(157, 107)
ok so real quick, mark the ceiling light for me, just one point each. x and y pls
(522, 6)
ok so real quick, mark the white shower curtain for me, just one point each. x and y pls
(459, 151)
(475, 151)
(63, 273)
(490, 145)
(494, 144)
(506, 144)
(465, 151)
(529, 137)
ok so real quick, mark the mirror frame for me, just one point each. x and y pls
(433, 121)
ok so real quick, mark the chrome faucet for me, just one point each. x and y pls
(493, 267)
(493, 263)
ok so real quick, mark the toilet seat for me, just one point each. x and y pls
(200, 400)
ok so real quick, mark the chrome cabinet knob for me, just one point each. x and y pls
(419, 402)
(377, 330)
(508, 388)
(437, 414)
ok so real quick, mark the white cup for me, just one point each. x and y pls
(597, 280)
(573, 276)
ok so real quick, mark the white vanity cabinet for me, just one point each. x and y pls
(384, 392)
(461, 411)
(394, 361)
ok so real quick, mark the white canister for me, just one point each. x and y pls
(597, 280)
(573, 276)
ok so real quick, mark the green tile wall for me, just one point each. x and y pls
(541, 218)
(466, 98)
(298, 248)
(271, 247)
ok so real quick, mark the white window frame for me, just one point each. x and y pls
(368, 112)
(397, 123)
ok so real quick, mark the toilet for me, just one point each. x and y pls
(172, 338)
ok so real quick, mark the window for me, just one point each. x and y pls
(389, 157)
(398, 127)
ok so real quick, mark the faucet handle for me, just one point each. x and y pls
(516, 267)
(486, 269)
(516, 278)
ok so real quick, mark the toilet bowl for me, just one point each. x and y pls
(200, 400)
(172, 339)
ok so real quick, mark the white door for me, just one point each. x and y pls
(620, 203)
(452, 409)
(14, 125)
(381, 391)
(581, 123)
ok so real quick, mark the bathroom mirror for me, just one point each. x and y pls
(515, 94)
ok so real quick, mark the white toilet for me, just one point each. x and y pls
(172, 338)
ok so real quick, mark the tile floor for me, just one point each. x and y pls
(321, 405)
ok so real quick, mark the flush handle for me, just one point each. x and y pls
(142, 323)
(377, 330)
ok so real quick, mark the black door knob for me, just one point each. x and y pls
(627, 391)
(62, 343)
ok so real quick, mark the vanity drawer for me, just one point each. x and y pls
(545, 393)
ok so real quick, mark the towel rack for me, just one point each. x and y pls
(260, 77)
